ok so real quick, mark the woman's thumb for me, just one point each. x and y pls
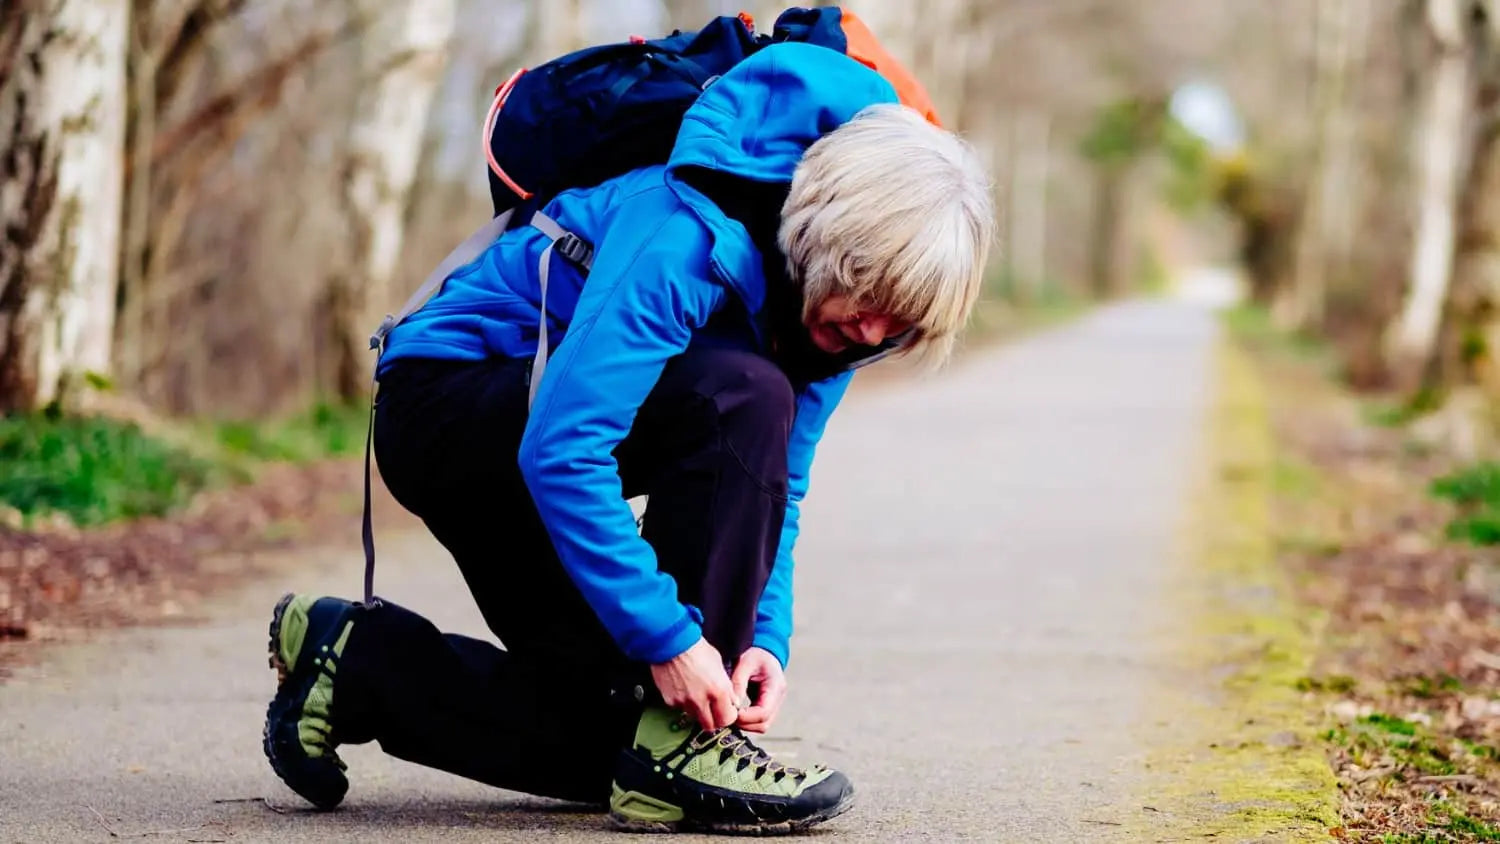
(743, 671)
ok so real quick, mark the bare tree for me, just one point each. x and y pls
(406, 52)
(1442, 141)
(62, 115)
(213, 84)
(1325, 243)
(1471, 345)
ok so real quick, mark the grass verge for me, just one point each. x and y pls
(85, 472)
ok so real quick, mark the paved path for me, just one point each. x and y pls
(982, 559)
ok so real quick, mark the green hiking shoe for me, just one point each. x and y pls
(307, 637)
(676, 776)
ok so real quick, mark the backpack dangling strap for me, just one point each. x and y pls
(367, 529)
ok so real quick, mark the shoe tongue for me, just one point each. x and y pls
(661, 731)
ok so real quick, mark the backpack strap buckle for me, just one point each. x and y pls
(564, 242)
(575, 249)
(378, 338)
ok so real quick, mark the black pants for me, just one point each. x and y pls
(547, 714)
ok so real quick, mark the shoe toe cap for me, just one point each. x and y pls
(833, 790)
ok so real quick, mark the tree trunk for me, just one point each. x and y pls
(1325, 243)
(1470, 346)
(406, 58)
(62, 119)
(1441, 143)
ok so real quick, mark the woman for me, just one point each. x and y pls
(806, 222)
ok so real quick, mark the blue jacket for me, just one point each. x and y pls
(666, 259)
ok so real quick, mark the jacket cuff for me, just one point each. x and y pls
(671, 642)
(775, 645)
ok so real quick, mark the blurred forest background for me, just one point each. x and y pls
(206, 205)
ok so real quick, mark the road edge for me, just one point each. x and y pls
(1233, 754)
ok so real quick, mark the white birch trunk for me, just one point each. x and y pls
(408, 54)
(63, 113)
(1325, 242)
(1441, 142)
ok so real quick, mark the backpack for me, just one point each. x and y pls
(597, 113)
(593, 114)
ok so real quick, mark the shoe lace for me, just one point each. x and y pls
(734, 744)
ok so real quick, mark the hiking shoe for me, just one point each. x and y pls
(307, 635)
(679, 777)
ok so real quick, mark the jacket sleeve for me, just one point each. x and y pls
(639, 308)
(773, 618)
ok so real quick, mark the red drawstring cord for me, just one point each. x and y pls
(501, 95)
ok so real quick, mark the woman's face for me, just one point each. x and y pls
(838, 325)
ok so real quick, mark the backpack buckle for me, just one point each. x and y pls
(575, 249)
(382, 331)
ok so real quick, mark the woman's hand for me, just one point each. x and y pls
(695, 681)
(758, 665)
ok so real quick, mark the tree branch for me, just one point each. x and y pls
(258, 91)
(184, 42)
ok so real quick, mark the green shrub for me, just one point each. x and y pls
(1476, 491)
(327, 430)
(1476, 485)
(1419, 404)
(92, 470)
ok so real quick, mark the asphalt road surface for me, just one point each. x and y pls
(984, 554)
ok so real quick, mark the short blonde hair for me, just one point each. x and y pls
(896, 214)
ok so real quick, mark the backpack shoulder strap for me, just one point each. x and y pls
(571, 247)
(462, 254)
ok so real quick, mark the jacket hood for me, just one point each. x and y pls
(755, 123)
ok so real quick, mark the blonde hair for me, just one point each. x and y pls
(896, 214)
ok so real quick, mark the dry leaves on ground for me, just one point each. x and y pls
(1410, 670)
(56, 581)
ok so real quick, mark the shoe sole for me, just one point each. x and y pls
(283, 671)
(624, 824)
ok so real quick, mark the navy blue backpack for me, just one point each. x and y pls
(590, 115)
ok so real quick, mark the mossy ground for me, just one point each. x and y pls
(1238, 758)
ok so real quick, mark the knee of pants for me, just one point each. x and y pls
(752, 397)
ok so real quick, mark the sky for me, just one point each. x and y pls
(1206, 109)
